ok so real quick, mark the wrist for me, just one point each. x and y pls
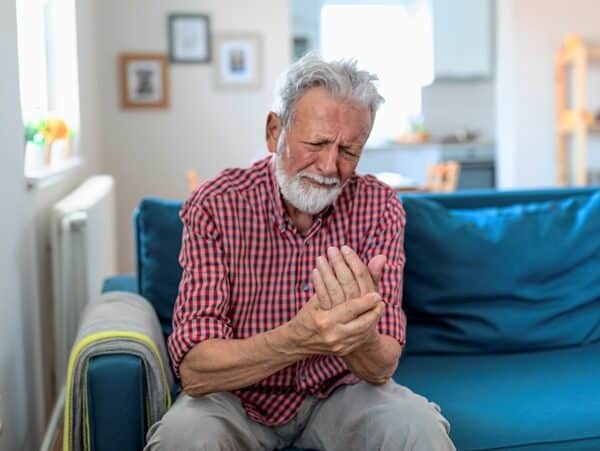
(371, 344)
(285, 341)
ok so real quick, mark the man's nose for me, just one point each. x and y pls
(328, 159)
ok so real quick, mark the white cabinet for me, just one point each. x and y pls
(463, 38)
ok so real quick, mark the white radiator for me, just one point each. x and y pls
(83, 239)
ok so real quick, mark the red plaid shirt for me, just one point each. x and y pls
(246, 270)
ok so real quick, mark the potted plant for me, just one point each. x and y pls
(40, 135)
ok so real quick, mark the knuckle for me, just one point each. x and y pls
(322, 323)
(344, 352)
(338, 350)
(330, 340)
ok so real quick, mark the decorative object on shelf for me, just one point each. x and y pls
(41, 134)
(238, 60)
(189, 38)
(417, 134)
(575, 121)
(461, 136)
(144, 80)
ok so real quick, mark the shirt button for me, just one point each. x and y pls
(302, 376)
(306, 287)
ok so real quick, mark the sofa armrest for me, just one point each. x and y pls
(121, 282)
(116, 401)
(119, 381)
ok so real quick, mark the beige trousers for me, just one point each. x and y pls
(359, 417)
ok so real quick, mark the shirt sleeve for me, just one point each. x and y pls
(388, 239)
(202, 304)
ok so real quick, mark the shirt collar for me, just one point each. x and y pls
(274, 193)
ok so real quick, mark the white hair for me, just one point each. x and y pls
(342, 80)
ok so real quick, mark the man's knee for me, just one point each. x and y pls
(208, 434)
(189, 427)
(416, 423)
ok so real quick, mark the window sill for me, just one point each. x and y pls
(39, 178)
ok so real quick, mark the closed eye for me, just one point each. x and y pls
(315, 144)
(348, 151)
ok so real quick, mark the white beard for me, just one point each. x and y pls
(300, 193)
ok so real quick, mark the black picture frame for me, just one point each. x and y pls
(189, 38)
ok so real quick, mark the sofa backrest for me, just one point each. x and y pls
(158, 241)
(157, 230)
(502, 271)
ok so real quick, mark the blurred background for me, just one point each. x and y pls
(162, 95)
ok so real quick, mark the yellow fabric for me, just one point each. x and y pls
(94, 338)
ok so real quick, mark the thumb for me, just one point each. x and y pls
(376, 267)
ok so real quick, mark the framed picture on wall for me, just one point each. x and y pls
(144, 81)
(189, 38)
(238, 60)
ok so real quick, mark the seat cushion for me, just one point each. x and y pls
(547, 400)
(503, 279)
(158, 237)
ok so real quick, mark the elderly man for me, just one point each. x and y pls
(288, 324)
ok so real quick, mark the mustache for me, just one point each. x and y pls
(333, 181)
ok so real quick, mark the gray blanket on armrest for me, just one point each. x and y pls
(121, 323)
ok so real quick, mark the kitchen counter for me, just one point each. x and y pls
(480, 147)
(477, 159)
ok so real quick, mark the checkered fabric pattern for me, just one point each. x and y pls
(246, 270)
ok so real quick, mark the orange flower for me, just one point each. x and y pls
(55, 129)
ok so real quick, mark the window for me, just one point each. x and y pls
(48, 78)
(392, 40)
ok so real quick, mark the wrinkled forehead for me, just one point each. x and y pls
(318, 111)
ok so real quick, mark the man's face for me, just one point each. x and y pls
(320, 150)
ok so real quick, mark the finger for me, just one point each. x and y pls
(336, 293)
(359, 269)
(353, 308)
(343, 273)
(363, 322)
(376, 266)
(321, 290)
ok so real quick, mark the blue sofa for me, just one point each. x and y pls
(502, 294)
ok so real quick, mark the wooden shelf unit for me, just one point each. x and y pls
(575, 120)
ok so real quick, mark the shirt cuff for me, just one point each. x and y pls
(188, 335)
(393, 323)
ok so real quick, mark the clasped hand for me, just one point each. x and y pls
(343, 313)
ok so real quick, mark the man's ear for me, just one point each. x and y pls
(273, 130)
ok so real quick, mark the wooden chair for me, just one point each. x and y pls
(443, 177)
(192, 179)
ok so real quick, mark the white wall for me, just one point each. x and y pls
(449, 106)
(529, 33)
(204, 129)
(27, 389)
(14, 409)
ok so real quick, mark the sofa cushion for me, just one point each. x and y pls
(158, 236)
(542, 401)
(513, 278)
